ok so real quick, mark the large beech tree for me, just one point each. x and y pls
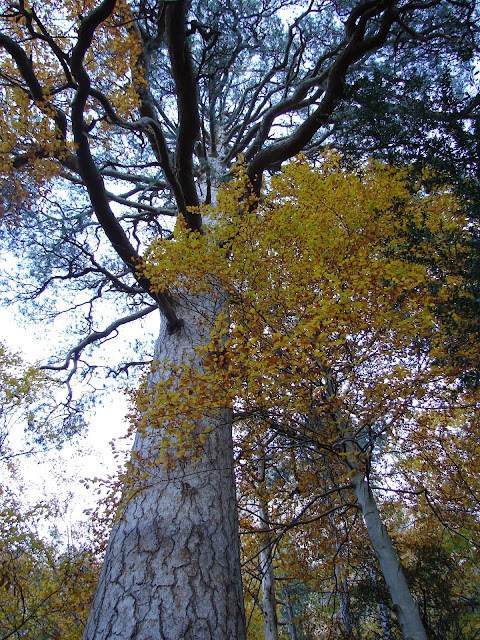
(337, 349)
(118, 117)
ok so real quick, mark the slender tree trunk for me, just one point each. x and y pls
(344, 605)
(384, 621)
(270, 621)
(382, 608)
(172, 567)
(292, 630)
(404, 605)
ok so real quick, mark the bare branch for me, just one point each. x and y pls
(187, 101)
(357, 47)
(89, 171)
(74, 354)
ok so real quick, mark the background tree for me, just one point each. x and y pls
(47, 576)
(29, 418)
(442, 570)
(141, 109)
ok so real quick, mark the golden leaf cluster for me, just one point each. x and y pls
(331, 306)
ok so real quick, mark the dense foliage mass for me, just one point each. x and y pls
(98, 103)
(333, 356)
(46, 580)
(322, 285)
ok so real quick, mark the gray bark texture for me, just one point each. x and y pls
(404, 605)
(172, 568)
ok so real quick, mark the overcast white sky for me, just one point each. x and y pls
(59, 473)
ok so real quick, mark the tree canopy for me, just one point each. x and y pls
(334, 360)
(100, 102)
(349, 328)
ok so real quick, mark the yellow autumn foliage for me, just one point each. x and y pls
(46, 586)
(331, 304)
(32, 148)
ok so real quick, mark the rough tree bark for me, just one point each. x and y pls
(173, 572)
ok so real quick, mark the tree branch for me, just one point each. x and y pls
(356, 48)
(25, 67)
(74, 353)
(89, 171)
(187, 102)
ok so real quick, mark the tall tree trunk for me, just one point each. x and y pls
(404, 605)
(172, 567)
(292, 630)
(382, 608)
(270, 621)
(343, 595)
(384, 621)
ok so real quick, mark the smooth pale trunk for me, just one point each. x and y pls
(172, 568)
(270, 622)
(404, 605)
